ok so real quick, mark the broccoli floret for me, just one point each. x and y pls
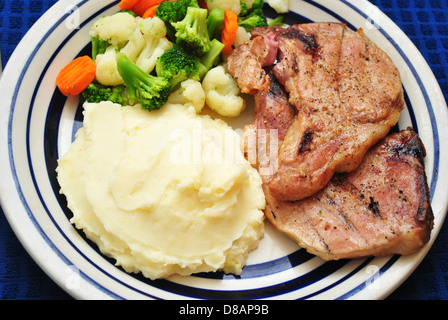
(174, 11)
(192, 33)
(244, 8)
(258, 4)
(215, 21)
(99, 46)
(152, 92)
(254, 18)
(177, 65)
(96, 93)
(278, 21)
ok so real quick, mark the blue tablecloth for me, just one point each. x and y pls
(426, 24)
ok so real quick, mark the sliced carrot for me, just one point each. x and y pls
(76, 76)
(143, 5)
(127, 4)
(229, 29)
(151, 12)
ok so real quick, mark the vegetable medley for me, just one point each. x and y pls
(156, 51)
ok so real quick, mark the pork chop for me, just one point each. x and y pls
(347, 93)
(381, 208)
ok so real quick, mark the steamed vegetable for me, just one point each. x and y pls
(115, 29)
(177, 65)
(151, 48)
(95, 93)
(192, 33)
(127, 4)
(231, 5)
(254, 18)
(76, 76)
(99, 46)
(189, 93)
(152, 92)
(222, 93)
(150, 12)
(143, 5)
(215, 21)
(212, 57)
(174, 11)
(229, 31)
(153, 31)
(280, 6)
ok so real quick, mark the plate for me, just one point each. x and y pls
(38, 125)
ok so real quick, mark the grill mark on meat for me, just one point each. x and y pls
(319, 237)
(340, 182)
(275, 88)
(309, 40)
(412, 148)
(340, 185)
(338, 209)
(374, 207)
(306, 141)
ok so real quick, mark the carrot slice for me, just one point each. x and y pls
(151, 12)
(76, 76)
(127, 4)
(229, 29)
(143, 5)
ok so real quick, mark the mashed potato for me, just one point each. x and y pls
(163, 192)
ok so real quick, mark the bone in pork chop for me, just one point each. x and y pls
(347, 93)
(381, 208)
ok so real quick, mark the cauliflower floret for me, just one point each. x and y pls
(134, 46)
(280, 6)
(190, 93)
(115, 29)
(148, 58)
(222, 93)
(241, 36)
(143, 46)
(106, 68)
(232, 5)
(249, 3)
(153, 31)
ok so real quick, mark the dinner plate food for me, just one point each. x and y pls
(39, 125)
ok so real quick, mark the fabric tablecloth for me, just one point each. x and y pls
(426, 24)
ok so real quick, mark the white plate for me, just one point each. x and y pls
(37, 126)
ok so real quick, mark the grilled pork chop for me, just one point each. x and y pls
(381, 208)
(347, 93)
